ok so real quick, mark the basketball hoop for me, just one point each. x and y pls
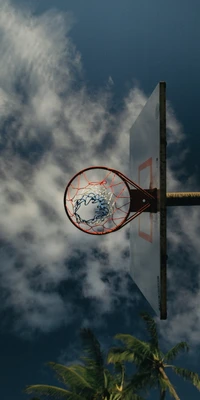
(98, 200)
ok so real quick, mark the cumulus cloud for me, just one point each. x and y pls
(51, 127)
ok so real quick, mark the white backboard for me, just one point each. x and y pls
(148, 170)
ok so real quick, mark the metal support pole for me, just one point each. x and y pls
(183, 199)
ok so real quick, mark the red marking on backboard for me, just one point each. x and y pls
(146, 236)
(146, 164)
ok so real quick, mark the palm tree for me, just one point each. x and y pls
(91, 381)
(150, 361)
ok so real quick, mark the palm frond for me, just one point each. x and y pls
(96, 358)
(135, 349)
(75, 375)
(53, 391)
(120, 355)
(151, 328)
(115, 396)
(133, 396)
(109, 380)
(133, 343)
(119, 367)
(129, 340)
(92, 346)
(141, 381)
(106, 380)
(119, 374)
(146, 364)
(193, 377)
(88, 362)
(136, 397)
(173, 352)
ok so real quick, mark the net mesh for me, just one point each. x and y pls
(97, 205)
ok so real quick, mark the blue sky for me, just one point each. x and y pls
(71, 74)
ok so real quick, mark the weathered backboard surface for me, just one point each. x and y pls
(148, 231)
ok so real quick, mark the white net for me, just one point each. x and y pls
(93, 205)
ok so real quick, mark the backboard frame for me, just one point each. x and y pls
(163, 203)
(147, 140)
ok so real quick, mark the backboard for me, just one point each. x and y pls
(148, 231)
